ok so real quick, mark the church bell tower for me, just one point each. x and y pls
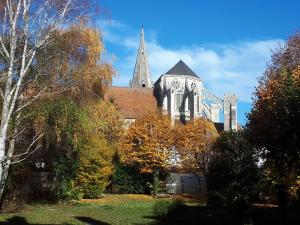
(141, 75)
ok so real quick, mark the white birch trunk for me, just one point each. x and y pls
(33, 32)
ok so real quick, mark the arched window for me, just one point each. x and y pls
(143, 85)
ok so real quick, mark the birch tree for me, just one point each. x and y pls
(26, 27)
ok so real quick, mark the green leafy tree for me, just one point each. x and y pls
(61, 121)
(233, 172)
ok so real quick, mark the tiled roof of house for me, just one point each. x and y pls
(132, 102)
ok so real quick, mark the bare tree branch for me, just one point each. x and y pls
(34, 140)
(26, 156)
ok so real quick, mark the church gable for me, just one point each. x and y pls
(182, 69)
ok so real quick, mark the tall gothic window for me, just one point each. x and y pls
(178, 101)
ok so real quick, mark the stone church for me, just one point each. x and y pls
(179, 92)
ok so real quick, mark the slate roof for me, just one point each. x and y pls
(182, 69)
(132, 102)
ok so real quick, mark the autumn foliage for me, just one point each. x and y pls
(97, 148)
(275, 118)
(74, 64)
(193, 142)
(148, 143)
(152, 143)
(81, 130)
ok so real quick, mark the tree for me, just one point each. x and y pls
(232, 170)
(61, 120)
(148, 144)
(76, 61)
(26, 27)
(97, 148)
(78, 147)
(193, 142)
(36, 56)
(274, 120)
(95, 166)
(107, 120)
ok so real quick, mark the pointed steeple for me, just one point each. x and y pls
(141, 74)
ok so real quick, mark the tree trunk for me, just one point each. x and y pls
(3, 166)
(155, 182)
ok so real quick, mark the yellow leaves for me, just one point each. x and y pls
(76, 57)
(106, 119)
(296, 75)
(295, 188)
(97, 146)
(95, 162)
(117, 199)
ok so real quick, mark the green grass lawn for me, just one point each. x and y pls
(137, 210)
(114, 209)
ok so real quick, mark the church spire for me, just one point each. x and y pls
(141, 74)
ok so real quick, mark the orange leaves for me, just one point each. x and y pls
(194, 139)
(153, 143)
(148, 143)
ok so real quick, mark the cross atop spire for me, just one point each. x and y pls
(141, 75)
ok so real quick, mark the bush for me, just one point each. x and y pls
(65, 169)
(93, 191)
(127, 179)
(166, 209)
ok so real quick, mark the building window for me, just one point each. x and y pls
(198, 104)
(143, 85)
(178, 101)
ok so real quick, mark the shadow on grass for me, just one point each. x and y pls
(90, 221)
(193, 215)
(18, 220)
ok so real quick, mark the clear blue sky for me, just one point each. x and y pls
(227, 43)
